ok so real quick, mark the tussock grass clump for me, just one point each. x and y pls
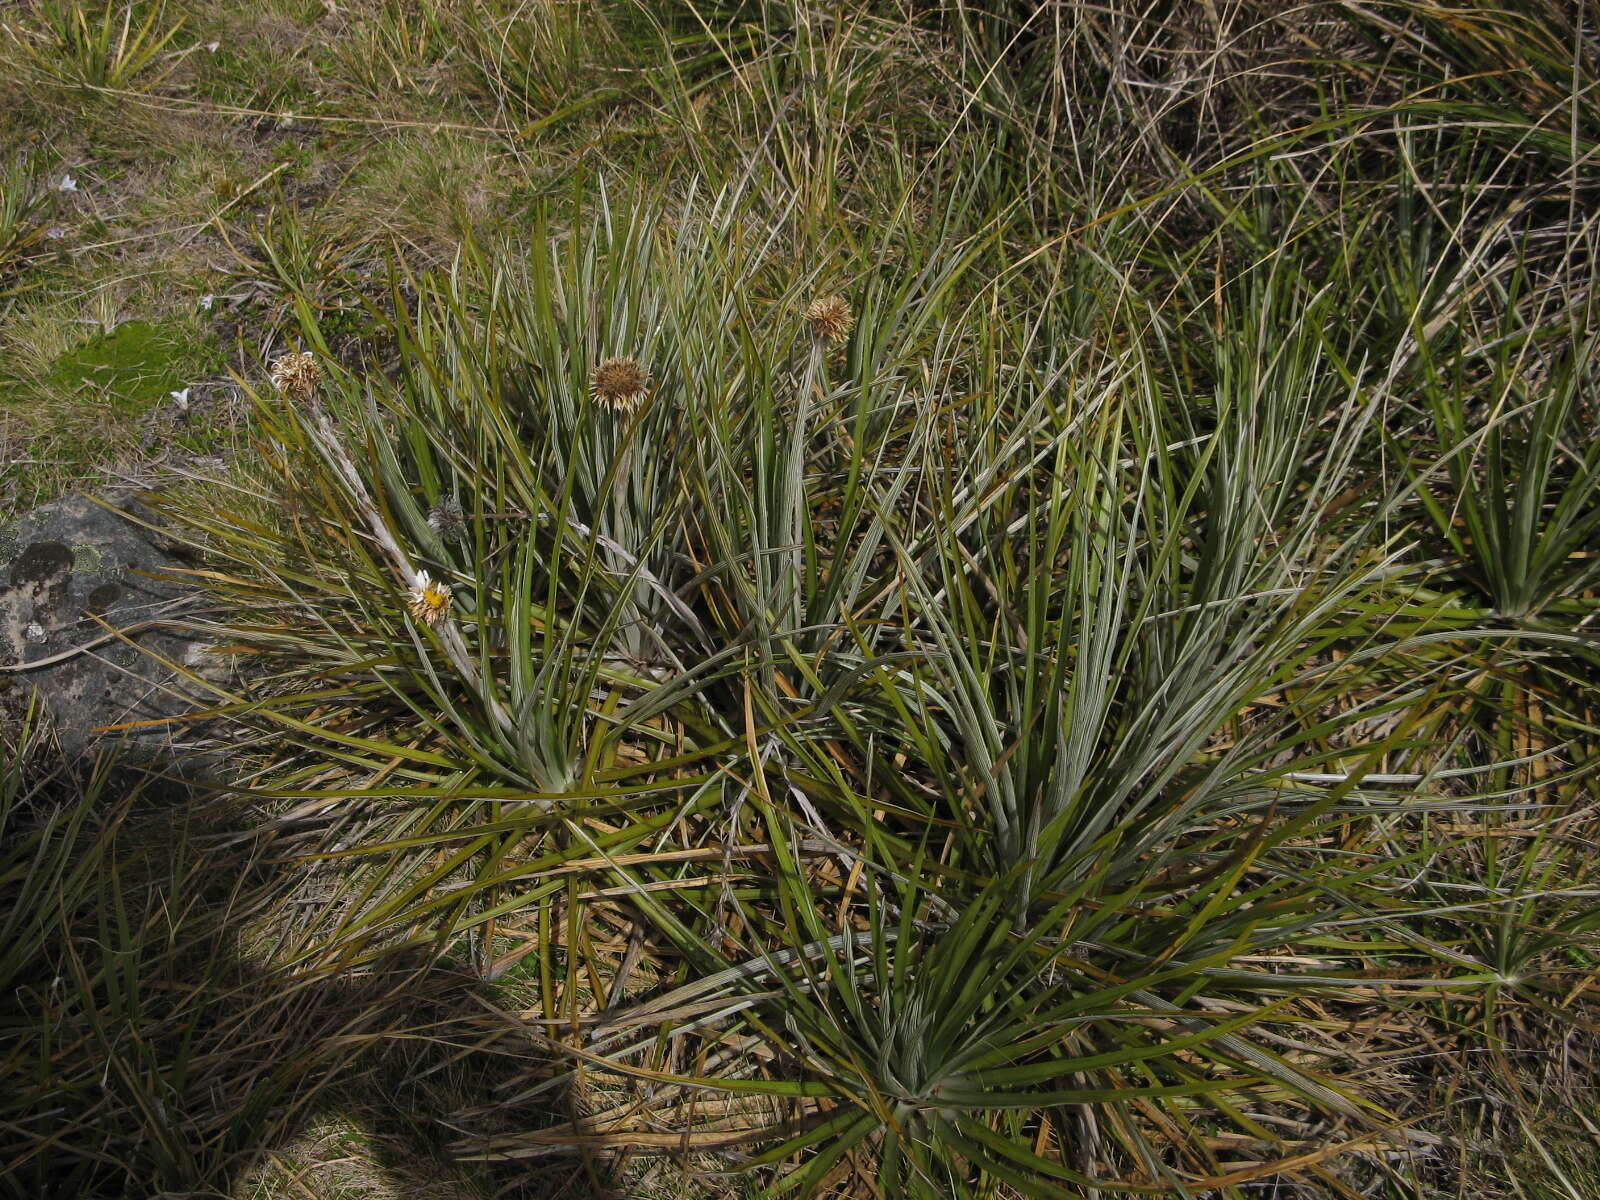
(141, 1053)
(22, 227)
(1006, 609)
(979, 755)
(107, 46)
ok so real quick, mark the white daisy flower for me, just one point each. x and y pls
(427, 600)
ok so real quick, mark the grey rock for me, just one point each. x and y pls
(64, 569)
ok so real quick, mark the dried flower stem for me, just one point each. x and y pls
(455, 648)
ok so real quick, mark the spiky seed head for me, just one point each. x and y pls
(427, 600)
(296, 376)
(830, 318)
(621, 383)
(447, 520)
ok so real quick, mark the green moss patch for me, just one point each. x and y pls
(134, 365)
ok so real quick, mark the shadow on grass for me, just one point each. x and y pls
(150, 1047)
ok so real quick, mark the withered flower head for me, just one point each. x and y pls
(447, 520)
(830, 318)
(297, 376)
(620, 382)
(428, 601)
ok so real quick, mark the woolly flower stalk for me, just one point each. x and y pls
(830, 318)
(297, 376)
(427, 600)
(621, 383)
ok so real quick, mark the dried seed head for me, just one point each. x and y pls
(297, 376)
(428, 601)
(830, 318)
(620, 382)
(447, 520)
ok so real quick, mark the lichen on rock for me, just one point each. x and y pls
(70, 572)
